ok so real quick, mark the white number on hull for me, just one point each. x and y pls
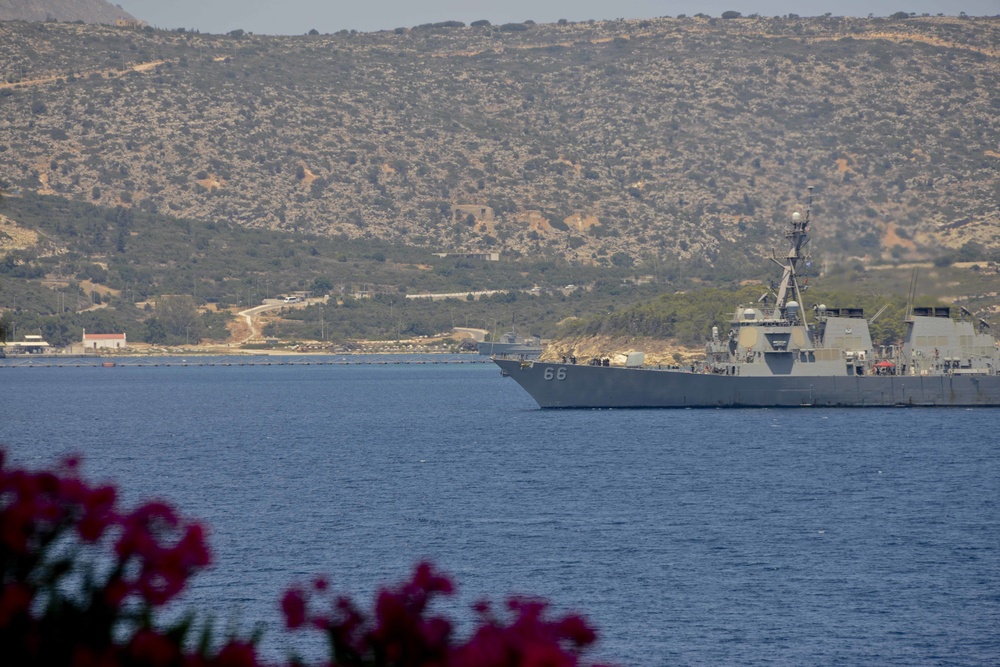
(551, 373)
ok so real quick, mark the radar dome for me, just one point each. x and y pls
(792, 309)
(796, 216)
(749, 314)
(822, 307)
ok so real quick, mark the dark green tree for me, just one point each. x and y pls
(179, 317)
(321, 285)
(156, 333)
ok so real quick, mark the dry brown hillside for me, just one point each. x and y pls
(599, 141)
(87, 11)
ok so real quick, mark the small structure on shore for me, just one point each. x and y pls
(113, 341)
(32, 344)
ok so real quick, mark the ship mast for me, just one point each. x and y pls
(797, 239)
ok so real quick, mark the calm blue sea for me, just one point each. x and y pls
(689, 537)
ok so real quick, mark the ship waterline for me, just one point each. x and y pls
(557, 385)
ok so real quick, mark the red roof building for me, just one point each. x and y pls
(113, 341)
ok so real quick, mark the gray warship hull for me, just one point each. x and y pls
(558, 385)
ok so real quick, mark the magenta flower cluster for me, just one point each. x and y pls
(81, 581)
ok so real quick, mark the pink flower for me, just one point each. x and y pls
(151, 648)
(154, 554)
(426, 580)
(192, 550)
(14, 601)
(545, 654)
(16, 526)
(87, 656)
(293, 605)
(575, 629)
(236, 654)
(115, 592)
(98, 513)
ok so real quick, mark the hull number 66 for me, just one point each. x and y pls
(551, 373)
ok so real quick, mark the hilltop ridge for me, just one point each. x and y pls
(88, 11)
(607, 142)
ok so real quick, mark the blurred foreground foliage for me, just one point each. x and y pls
(82, 581)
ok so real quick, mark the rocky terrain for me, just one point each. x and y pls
(657, 351)
(684, 139)
(85, 11)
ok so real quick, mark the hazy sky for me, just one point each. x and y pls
(290, 17)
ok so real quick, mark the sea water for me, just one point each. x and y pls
(688, 537)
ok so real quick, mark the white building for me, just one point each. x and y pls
(114, 341)
(32, 344)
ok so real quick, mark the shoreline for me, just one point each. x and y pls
(189, 352)
(223, 350)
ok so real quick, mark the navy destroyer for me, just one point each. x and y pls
(774, 356)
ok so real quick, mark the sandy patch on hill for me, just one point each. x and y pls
(145, 67)
(138, 67)
(843, 166)
(891, 239)
(582, 223)
(211, 182)
(13, 237)
(926, 39)
(535, 221)
(43, 178)
(577, 168)
(90, 287)
(309, 177)
(239, 330)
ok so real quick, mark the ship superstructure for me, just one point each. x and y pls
(512, 345)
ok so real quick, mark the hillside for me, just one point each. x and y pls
(87, 11)
(601, 142)
(66, 265)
